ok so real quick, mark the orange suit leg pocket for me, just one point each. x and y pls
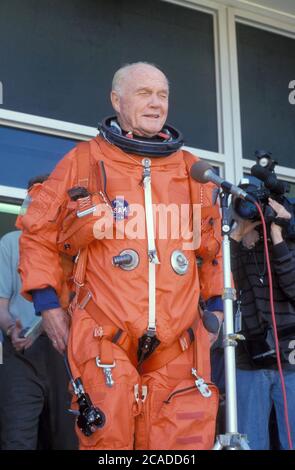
(116, 401)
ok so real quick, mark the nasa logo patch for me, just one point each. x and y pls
(120, 208)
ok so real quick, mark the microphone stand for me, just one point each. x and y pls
(232, 439)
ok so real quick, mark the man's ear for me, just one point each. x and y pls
(115, 99)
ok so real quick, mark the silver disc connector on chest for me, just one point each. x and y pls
(127, 260)
(179, 262)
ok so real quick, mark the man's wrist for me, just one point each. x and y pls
(276, 235)
(51, 310)
(45, 299)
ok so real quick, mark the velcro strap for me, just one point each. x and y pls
(106, 355)
(83, 163)
(115, 334)
(80, 267)
(161, 357)
(101, 180)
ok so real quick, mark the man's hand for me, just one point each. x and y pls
(56, 325)
(19, 343)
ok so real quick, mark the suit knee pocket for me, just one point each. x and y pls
(117, 402)
(186, 419)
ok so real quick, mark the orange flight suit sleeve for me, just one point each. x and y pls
(39, 264)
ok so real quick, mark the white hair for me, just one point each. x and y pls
(123, 72)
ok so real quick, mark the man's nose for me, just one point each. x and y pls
(155, 101)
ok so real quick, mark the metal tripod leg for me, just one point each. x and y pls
(231, 441)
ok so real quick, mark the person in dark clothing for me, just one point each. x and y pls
(34, 395)
(258, 381)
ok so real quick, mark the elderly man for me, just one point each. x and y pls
(135, 341)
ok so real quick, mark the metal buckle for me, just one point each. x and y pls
(201, 385)
(107, 370)
(85, 300)
(84, 212)
(144, 391)
(108, 366)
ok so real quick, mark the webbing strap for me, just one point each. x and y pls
(152, 252)
(83, 164)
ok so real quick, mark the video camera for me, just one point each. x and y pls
(267, 186)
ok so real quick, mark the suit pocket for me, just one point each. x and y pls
(186, 419)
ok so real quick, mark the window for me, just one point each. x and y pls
(61, 57)
(266, 63)
(8, 214)
(24, 154)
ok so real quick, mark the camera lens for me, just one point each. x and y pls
(245, 209)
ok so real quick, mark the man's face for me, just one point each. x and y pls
(142, 105)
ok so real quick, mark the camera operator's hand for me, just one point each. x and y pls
(56, 325)
(243, 227)
(276, 229)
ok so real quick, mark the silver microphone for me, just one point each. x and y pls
(203, 173)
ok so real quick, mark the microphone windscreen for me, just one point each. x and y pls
(275, 185)
(198, 171)
(259, 172)
(270, 180)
